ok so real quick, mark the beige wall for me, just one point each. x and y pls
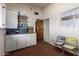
(53, 12)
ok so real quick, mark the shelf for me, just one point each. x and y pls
(22, 21)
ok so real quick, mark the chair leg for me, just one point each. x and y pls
(63, 51)
(74, 52)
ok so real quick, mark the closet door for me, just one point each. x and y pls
(12, 19)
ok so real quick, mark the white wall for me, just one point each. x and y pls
(53, 13)
(27, 10)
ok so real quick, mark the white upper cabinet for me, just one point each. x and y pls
(11, 19)
(2, 15)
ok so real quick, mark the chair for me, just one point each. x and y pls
(70, 45)
(60, 41)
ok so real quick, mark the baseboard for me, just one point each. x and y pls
(2, 54)
(49, 43)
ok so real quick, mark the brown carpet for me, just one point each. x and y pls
(41, 49)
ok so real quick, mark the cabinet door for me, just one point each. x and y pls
(33, 38)
(2, 42)
(2, 15)
(20, 42)
(30, 40)
(12, 19)
(10, 44)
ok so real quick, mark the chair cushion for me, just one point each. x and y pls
(59, 43)
(70, 41)
(69, 47)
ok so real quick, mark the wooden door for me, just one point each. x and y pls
(39, 30)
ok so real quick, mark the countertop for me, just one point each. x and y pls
(21, 34)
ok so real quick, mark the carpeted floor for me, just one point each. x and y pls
(41, 49)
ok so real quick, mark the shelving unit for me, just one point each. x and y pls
(22, 19)
(22, 24)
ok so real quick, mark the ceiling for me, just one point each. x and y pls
(40, 5)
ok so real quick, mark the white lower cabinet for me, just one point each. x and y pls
(20, 41)
(15, 42)
(30, 40)
(10, 44)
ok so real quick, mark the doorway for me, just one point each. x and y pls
(39, 30)
(46, 30)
